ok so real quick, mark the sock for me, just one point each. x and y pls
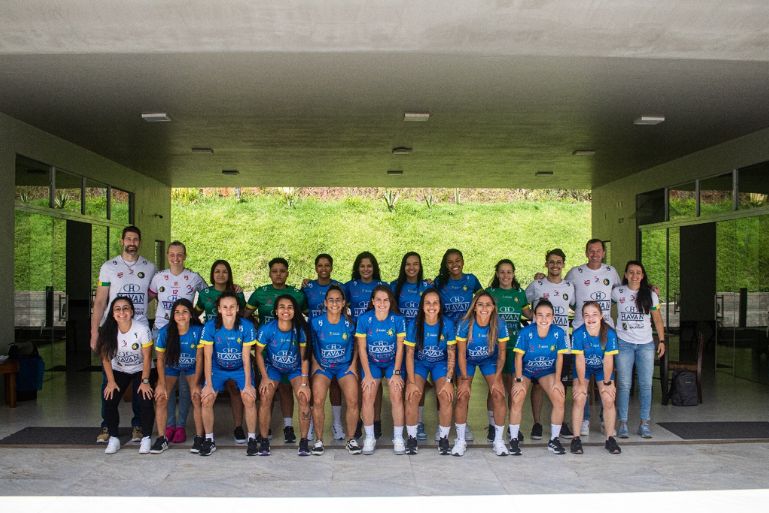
(555, 431)
(252, 435)
(498, 433)
(444, 431)
(491, 417)
(514, 428)
(398, 432)
(369, 431)
(337, 414)
(288, 421)
(461, 431)
(210, 436)
(421, 414)
(412, 431)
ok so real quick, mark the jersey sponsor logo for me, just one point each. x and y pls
(540, 362)
(283, 359)
(120, 274)
(333, 351)
(432, 353)
(127, 359)
(229, 354)
(594, 360)
(478, 353)
(598, 295)
(380, 348)
(131, 287)
(586, 282)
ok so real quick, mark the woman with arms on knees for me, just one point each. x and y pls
(333, 343)
(430, 350)
(179, 354)
(281, 351)
(637, 309)
(539, 355)
(481, 340)
(125, 348)
(379, 335)
(594, 345)
(227, 342)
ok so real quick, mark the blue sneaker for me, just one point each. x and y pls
(421, 435)
(644, 430)
(622, 431)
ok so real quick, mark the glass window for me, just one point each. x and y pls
(120, 206)
(682, 201)
(95, 199)
(68, 193)
(33, 182)
(716, 194)
(650, 207)
(753, 186)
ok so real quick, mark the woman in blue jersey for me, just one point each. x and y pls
(481, 339)
(539, 355)
(227, 342)
(379, 335)
(594, 345)
(178, 351)
(365, 276)
(410, 285)
(430, 351)
(456, 288)
(281, 351)
(125, 348)
(333, 343)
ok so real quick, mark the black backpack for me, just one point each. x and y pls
(683, 391)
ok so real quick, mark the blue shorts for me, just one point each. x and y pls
(220, 377)
(592, 372)
(533, 376)
(335, 372)
(437, 370)
(174, 372)
(276, 374)
(379, 370)
(487, 366)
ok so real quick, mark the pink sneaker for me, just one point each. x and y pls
(180, 436)
(170, 433)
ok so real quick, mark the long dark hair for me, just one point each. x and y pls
(495, 279)
(443, 272)
(356, 272)
(402, 273)
(298, 324)
(226, 264)
(173, 345)
(603, 334)
(386, 290)
(341, 291)
(219, 322)
(493, 324)
(643, 298)
(420, 318)
(106, 344)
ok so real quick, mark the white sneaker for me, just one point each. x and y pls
(399, 446)
(337, 432)
(585, 430)
(469, 437)
(500, 449)
(460, 446)
(369, 444)
(113, 445)
(145, 445)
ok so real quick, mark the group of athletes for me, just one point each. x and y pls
(347, 340)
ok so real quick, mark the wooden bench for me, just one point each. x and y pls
(9, 369)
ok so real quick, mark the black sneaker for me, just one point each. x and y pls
(197, 443)
(353, 447)
(288, 435)
(359, 429)
(490, 434)
(565, 431)
(208, 447)
(239, 435)
(377, 429)
(576, 446)
(515, 448)
(554, 445)
(253, 447)
(536, 431)
(304, 447)
(264, 447)
(160, 445)
(612, 446)
(412, 446)
(443, 446)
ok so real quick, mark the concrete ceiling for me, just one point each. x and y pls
(313, 92)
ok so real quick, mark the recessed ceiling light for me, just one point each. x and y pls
(394, 171)
(416, 116)
(231, 172)
(402, 150)
(649, 120)
(202, 149)
(583, 153)
(543, 173)
(155, 117)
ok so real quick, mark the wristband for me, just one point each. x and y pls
(519, 380)
(607, 383)
(145, 381)
(397, 372)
